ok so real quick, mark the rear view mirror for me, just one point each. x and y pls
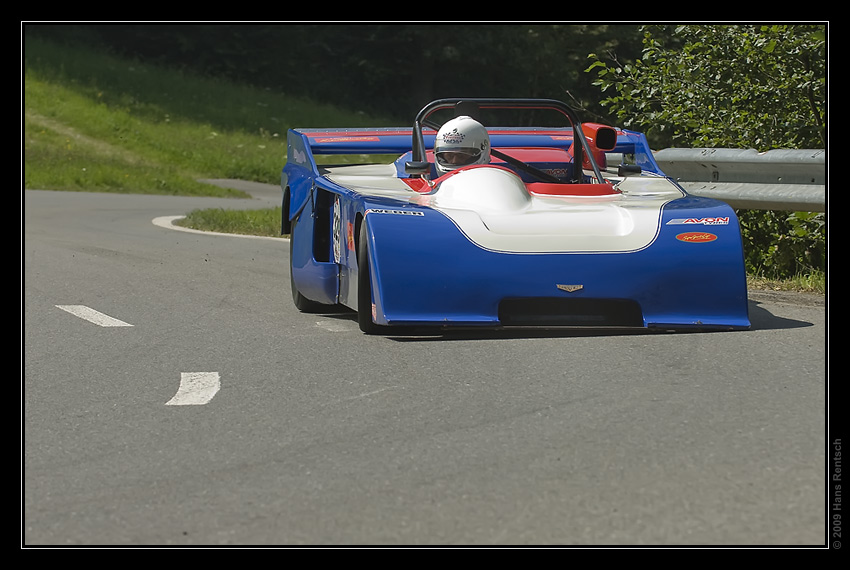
(628, 170)
(417, 168)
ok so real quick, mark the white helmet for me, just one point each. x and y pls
(460, 142)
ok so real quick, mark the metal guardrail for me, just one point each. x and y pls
(790, 180)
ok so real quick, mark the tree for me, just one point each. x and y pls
(734, 86)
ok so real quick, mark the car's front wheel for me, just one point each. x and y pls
(364, 287)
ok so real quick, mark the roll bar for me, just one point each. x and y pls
(472, 106)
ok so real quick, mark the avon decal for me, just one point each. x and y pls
(699, 221)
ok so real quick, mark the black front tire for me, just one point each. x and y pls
(364, 287)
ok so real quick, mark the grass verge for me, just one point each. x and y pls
(265, 222)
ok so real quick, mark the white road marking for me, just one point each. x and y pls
(196, 389)
(93, 316)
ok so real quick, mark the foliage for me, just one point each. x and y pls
(389, 69)
(781, 245)
(732, 86)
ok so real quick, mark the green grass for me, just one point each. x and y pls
(812, 282)
(94, 122)
(265, 222)
(98, 123)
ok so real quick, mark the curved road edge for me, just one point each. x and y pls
(168, 223)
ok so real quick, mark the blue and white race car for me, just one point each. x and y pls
(506, 212)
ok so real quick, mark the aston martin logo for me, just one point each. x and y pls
(569, 288)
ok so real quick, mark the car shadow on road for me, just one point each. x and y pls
(762, 319)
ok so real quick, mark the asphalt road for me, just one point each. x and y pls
(209, 411)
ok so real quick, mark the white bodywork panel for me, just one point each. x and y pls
(493, 208)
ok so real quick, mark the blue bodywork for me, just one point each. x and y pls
(425, 271)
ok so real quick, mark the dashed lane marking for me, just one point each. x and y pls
(92, 316)
(334, 326)
(196, 389)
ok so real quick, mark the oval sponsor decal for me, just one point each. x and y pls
(696, 237)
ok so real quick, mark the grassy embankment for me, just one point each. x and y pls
(97, 123)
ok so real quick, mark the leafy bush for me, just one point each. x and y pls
(779, 245)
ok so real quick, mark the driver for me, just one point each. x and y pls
(460, 142)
